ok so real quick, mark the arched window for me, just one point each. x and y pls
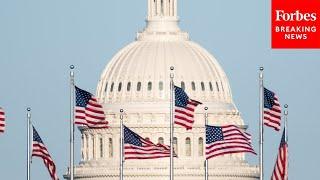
(183, 86)
(211, 87)
(149, 86)
(139, 86)
(112, 85)
(128, 86)
(119, 87)
(110, 147)
(175, 145)
(160, 85)
(217, 86)
(188, 146)
(202, 86)
(200, 146)
(106, 88)
(193, 86)
(160, 140)
(222, 86)
(101, 147)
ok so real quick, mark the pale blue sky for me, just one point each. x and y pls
(39, 39)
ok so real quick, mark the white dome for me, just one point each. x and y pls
(137, 80)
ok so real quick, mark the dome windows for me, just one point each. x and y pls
(149, 86)
(101, 146)
(110, 147)
(160, 140)
(119, 87)
(217, 86)
(210, 86)
(106, 88)
(139, 86)
(188, 146)
(160, 85)
(202, 86)
(193, 86)
(183, 85)
(111, 88)
(175, 145)
(128, 86)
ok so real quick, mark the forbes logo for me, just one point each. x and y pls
(281, 15)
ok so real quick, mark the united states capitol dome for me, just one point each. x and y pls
(137, 79)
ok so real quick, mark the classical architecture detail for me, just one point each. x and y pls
(137, 80)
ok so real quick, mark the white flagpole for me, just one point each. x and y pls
(171, 122)
(261, 87)
(121, 144)
(286, 135)
(72, 89)
(28, 142)
(206, 161)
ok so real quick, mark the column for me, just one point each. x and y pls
(175, 8)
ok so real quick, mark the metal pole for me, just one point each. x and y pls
(72, 89)
(206, 161)
(261, 87)
(171, 121)
(28, 142)
(286, 136)
(121, 144)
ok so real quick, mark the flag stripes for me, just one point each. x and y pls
(2, 120)
(226, 140)
(272, 110)
(88, 111)
(40, 150)
(136, 147)
(184, 109)
(280, 171)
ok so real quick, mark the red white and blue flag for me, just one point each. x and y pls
(2, 120)
(184, 108)
(88, 111)
(272, 110)
(221, 140)
(280, 171)
(40, 150)
(136, 147)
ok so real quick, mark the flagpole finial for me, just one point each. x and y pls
(261, 68)
(286, 106)
(71, 66)
(28, 109)
(206, 108)
(121, 110)
(171, 68)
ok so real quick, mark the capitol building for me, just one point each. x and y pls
(137, 79)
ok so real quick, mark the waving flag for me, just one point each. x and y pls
(2, 120)
(184, 108)
(272, 110)
(40, 150)
(221, 140)
(136, 147)
(280, 171)
(88, 111)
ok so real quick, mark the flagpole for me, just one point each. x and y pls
(261, 87)
(28, 142)
(171, 121)
(206, 161)
(71, 163)
(286, 134)
(121, 144)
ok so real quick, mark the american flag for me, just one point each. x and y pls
(88, 110)
(280, 171)
(136, 147)
(2, 120)
(272, 110)
(227, 139)
(184, 108)
(40, 150)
